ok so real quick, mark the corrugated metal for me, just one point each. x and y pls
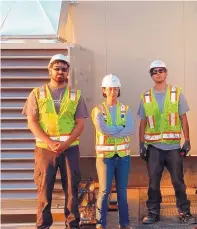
(24, 67)
(21, 71)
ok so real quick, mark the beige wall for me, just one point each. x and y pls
(126, 36)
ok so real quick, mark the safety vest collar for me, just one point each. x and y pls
(104, 110)
(148, 96)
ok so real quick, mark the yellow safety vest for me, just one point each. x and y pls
(107, 146)
(57, 126)
(162, 127)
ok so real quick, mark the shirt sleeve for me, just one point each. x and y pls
(81, 111)
(183, 105)
(141, 111)
(31, 107)
(101, 126)
(129, 126)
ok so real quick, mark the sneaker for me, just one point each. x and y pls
(187, 218)
(151, 218)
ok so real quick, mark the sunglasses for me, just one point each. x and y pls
(57, 69)
(154, 71)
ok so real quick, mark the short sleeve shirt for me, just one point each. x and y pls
(31, 106)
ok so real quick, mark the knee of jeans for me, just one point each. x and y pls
(122, 190)
(104, 192)
(39, 179)
(178, 185)
(155, 186)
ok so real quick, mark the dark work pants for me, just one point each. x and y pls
(46, 165)
(171, 159)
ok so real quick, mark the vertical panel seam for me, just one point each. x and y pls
(106, 38)
(184, 47)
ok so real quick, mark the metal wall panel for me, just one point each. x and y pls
(126, 36)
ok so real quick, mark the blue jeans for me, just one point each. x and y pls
(106, 169)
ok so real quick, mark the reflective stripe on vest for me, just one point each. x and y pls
(164, 136)
(104, 113)
(102, 155)
(173, 94)
(151, 121)
(172, 136)
(173, 119)
(57, 138)
(147, 97)
(112, 147)
(101, 140)
(72, 95)
(42, 92)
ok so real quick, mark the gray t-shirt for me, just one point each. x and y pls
(31, 106)
(160, 98)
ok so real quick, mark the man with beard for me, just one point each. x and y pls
(163, 111)
(56, 115)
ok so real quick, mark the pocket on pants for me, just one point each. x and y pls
(126, 159)
(37, 172)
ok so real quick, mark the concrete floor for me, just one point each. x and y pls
(137, 208)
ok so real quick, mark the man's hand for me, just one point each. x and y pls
(62, 147)
(185, 148)
(143, 151)
(53, 145)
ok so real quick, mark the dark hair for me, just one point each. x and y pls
(60, 61)
(104, 95)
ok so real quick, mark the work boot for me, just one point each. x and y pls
(151, 218)
(68, 227)
(187, 218)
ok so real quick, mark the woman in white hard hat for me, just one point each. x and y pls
(113, 123)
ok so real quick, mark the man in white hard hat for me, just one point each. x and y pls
(113, 123)
(163, 111)
(56, 115)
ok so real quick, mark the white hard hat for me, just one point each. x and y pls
(58, 57)
(111, 81)
(157, 64)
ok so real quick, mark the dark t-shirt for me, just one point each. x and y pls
(31, 107)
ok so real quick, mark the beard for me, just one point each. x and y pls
(60, 79)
